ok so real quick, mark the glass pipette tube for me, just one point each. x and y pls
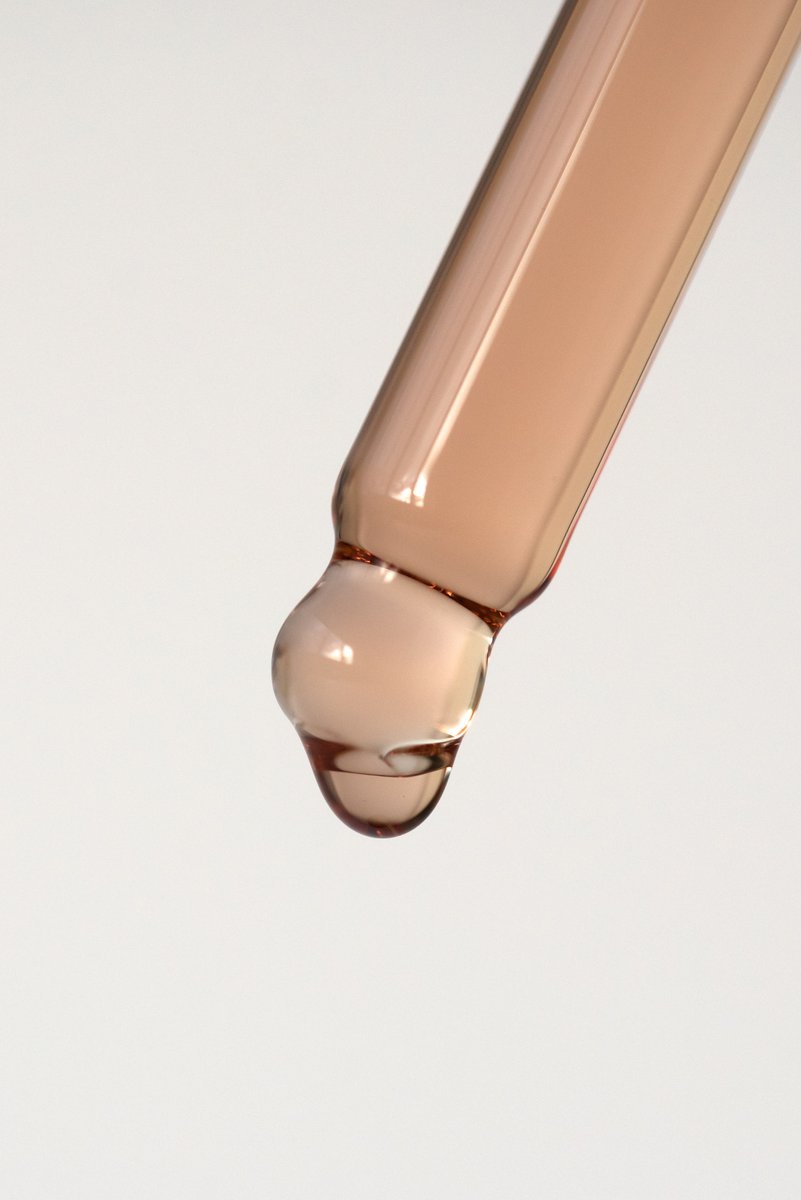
(458, 498)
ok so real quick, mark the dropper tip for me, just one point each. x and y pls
(380, 675)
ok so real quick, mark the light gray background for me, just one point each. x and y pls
(581, 978)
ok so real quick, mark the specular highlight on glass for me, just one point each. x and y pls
(458, 498)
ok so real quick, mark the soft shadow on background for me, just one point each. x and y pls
(581, 978)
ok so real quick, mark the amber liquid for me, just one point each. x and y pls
(505, 398)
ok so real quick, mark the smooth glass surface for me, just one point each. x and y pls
(505, 398)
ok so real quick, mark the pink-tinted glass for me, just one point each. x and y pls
(461, 491)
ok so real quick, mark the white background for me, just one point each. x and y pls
(581, 978)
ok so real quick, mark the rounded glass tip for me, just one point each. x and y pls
(380, 674)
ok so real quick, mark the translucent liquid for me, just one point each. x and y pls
(458, 498)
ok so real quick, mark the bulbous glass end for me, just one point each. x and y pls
(380, 675)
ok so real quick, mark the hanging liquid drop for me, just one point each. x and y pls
(457, 501)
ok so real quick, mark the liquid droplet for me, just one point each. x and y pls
(382, 805)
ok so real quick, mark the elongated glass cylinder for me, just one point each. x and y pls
(461, 491)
